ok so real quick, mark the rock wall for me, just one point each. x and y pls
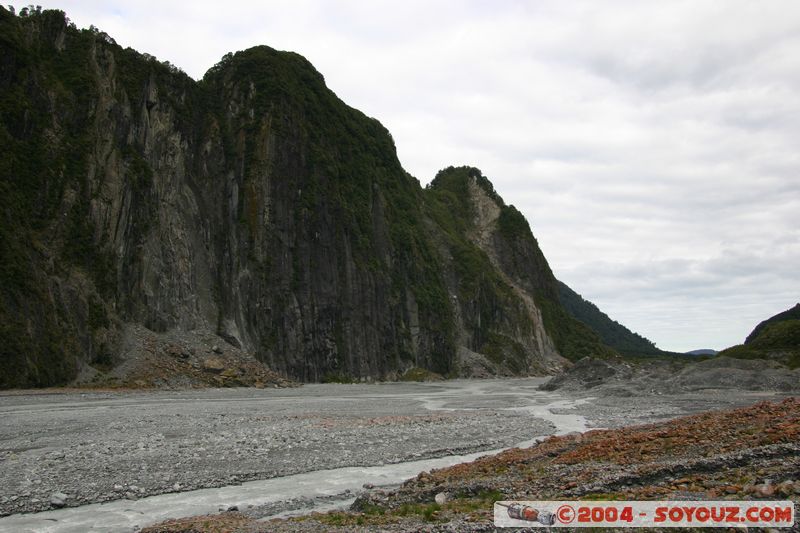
(253, 204)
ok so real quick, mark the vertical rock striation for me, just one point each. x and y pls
(253, 204)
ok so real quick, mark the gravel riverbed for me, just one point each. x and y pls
(76, 448)
(94, 447)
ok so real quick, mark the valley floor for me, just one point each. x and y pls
(149, 454)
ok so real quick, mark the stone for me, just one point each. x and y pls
(214, 364)
(58, 499)
(216, 349)
(174, 350)
(765, 490)
(786, 488)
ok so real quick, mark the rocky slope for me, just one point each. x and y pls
(252, 205)
(768, 360)
(622, 378)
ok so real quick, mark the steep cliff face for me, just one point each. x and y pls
(507, 297)
(253, 204)
(324, 269)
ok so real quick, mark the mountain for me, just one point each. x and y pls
(254, 207)
(777, 338)
(611, 332)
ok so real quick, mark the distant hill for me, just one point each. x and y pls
(611, 332)
(789, 314)
(703, 351)
(777, 338)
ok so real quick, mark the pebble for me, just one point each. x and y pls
(58, 499)
(765, 490)
(228, 508)
(786, 488)
(171, 434)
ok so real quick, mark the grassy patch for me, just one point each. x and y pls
(420, 374)
(333, 377)
(220, 523)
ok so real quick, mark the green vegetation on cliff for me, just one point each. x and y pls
(574, 339)
(348, 170)
(612, 333)
(487, 302)
(253, 203)
(520, 259)
(36, 346)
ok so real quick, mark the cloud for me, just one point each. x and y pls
(652, 145)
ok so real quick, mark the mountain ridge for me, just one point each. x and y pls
(611, 332)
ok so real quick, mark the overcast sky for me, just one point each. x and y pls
(653, 146)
